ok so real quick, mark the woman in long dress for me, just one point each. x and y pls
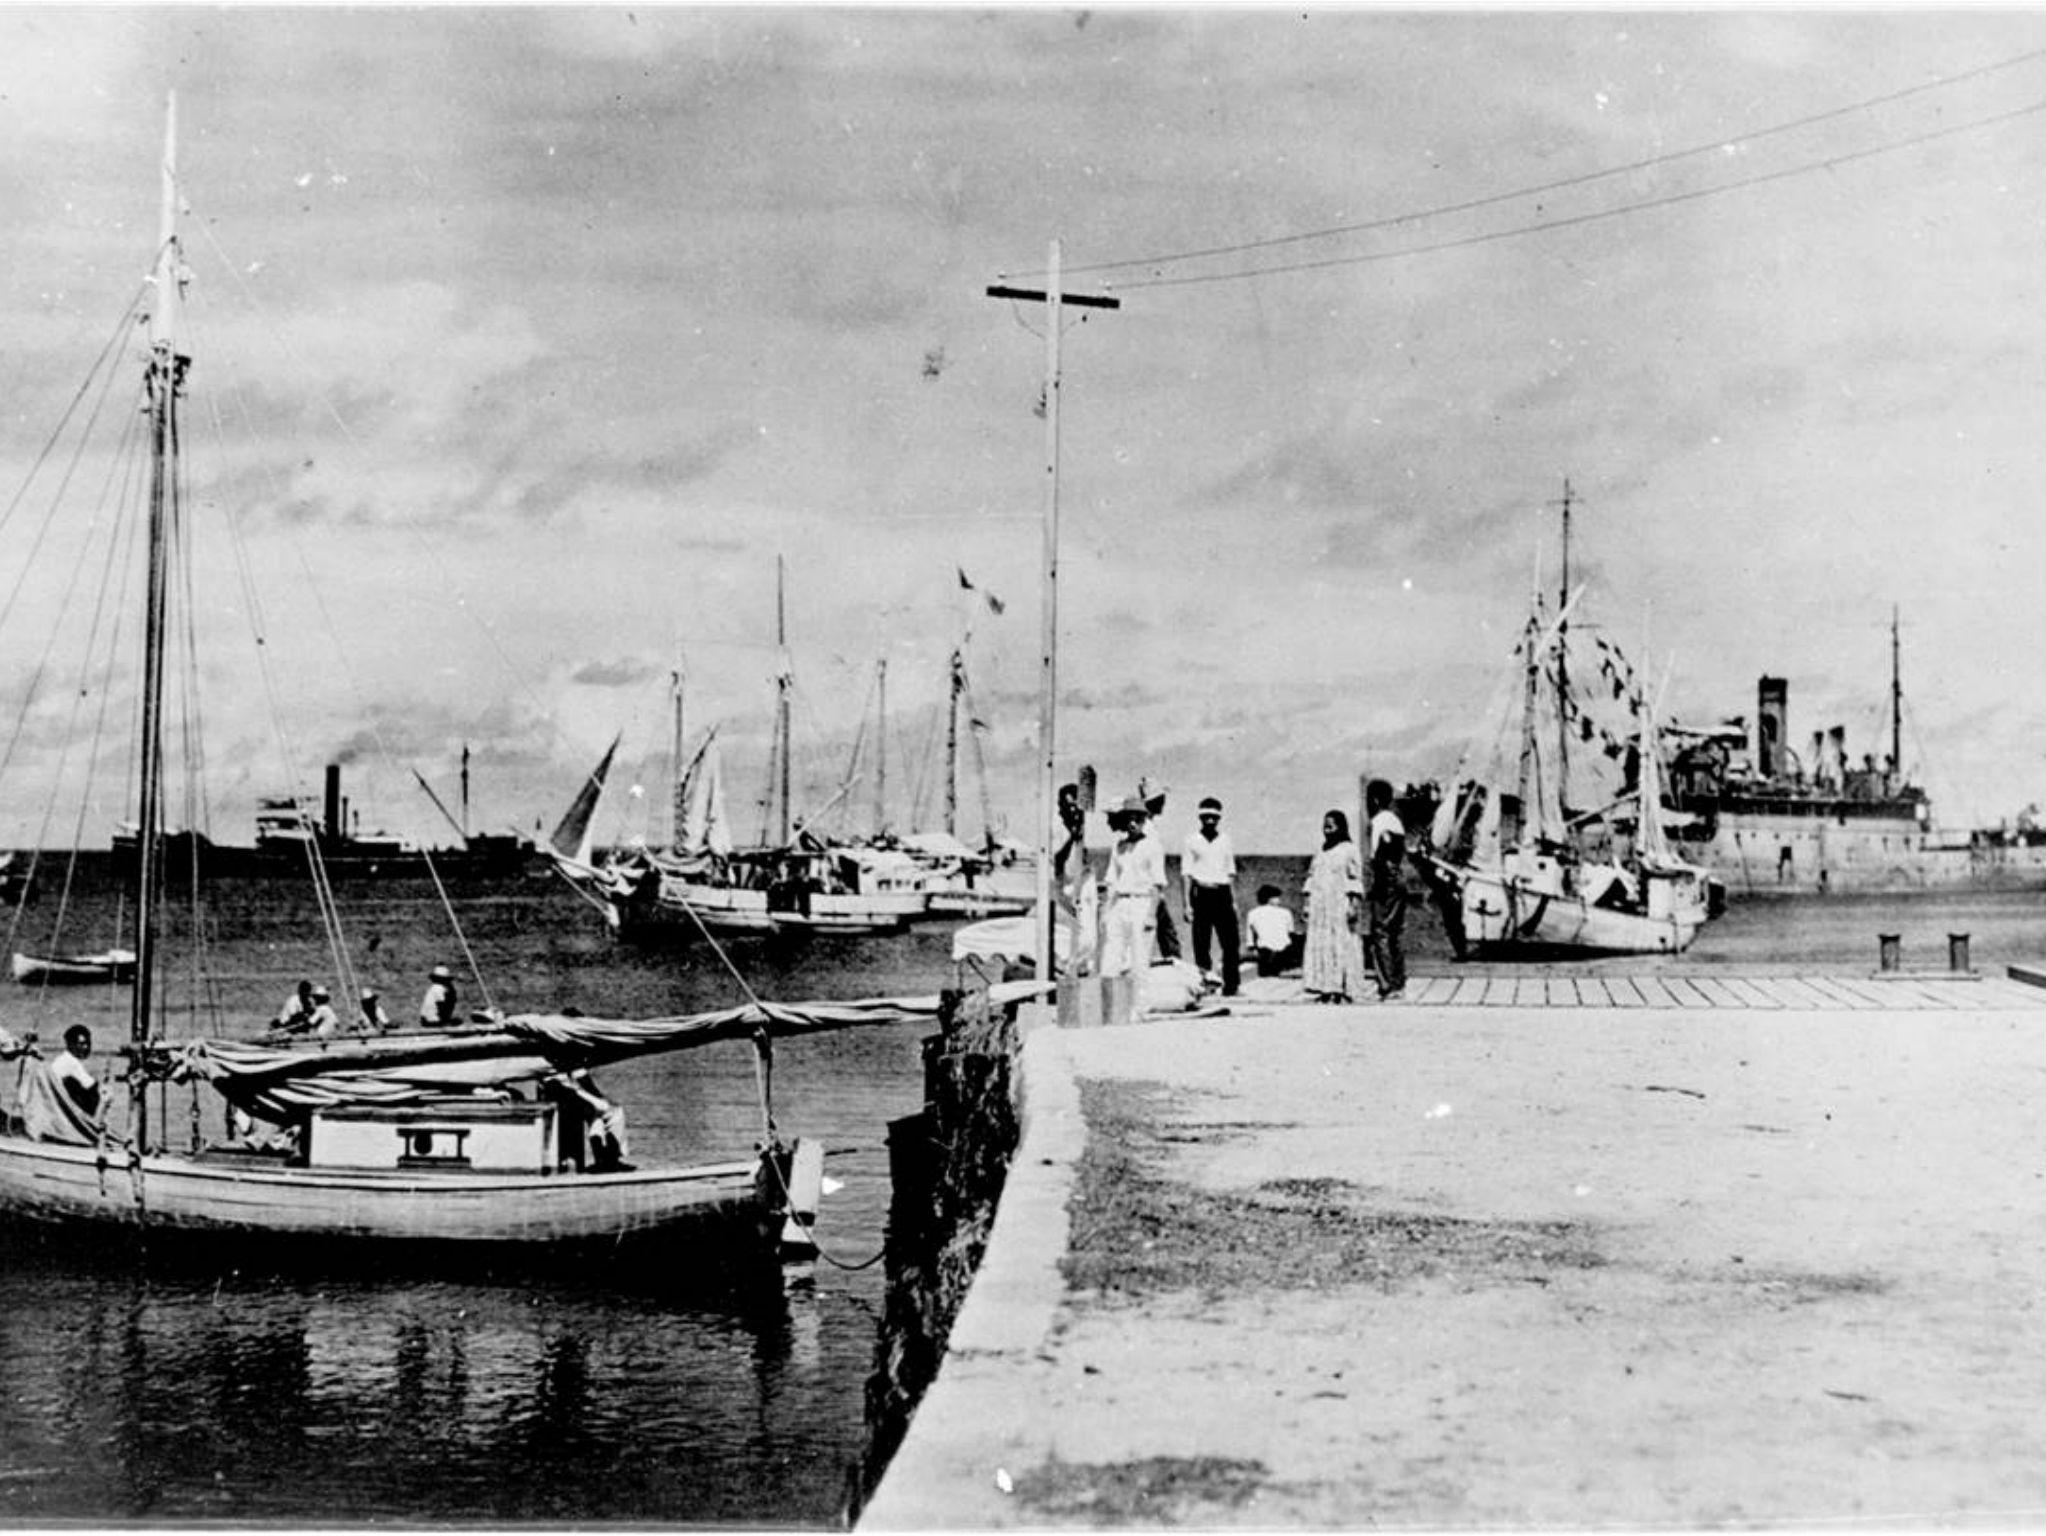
(1333, 963)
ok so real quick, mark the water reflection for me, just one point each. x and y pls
(268, 1397)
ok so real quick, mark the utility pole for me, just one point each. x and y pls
(1053, 298)
(782, 684)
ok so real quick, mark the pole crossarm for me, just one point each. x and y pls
(1040, 296)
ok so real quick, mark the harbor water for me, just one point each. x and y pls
(228, 1393)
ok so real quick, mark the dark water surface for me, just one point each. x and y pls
(218, 1393)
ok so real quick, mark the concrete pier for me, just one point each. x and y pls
(1535, 1249)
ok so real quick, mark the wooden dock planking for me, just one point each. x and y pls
(1838, 994)
(1660, 990)
(1718, 993)
(1757, 995)
(1797, 992)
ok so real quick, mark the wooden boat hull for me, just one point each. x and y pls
(250, 1196)
(1503, 910)
(720, 908)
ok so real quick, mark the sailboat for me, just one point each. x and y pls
(996, 880)
(485, 1135)
(1601, 881)
(794, 882)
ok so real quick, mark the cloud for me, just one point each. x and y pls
(620, 672)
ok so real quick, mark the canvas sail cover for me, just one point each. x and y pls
(279, 1081)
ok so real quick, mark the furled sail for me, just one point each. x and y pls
(279, 1081)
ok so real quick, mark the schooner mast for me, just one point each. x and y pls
(164, 380)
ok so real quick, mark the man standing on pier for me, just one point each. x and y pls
(1385, 888)
(1207, 865)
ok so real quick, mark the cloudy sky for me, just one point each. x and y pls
(527, 340)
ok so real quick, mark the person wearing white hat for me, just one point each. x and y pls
(437, 1007)
(1130, 891)
(373, 1020)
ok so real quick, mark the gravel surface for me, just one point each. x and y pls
(1457, 1267)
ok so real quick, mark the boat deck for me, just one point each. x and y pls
(1524, 987)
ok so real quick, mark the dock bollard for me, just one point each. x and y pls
(1888, 946)
(1957, 953)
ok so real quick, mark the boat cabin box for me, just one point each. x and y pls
(464, 1135)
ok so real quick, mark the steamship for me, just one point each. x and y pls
(291, 834)
(289, 838)
(1765, 821)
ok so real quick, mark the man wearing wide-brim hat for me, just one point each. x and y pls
(1130, 891)
(437, 1007)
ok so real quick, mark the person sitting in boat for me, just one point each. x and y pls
(297, 1010)
(323, 1021)
(437, 1007)
(60, 1100)
(73, 1075)
(373, 1019)
(592, 1127)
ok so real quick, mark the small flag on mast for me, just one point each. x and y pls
(995, 604)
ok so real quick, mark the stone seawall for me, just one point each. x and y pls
(948, 1164)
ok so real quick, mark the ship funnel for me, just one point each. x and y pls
(333, 805)
(1772, 727)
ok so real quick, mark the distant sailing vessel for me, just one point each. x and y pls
(1769, 821)
(1603, 879)
(799, 882)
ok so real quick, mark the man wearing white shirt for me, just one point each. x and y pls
(1207, 866)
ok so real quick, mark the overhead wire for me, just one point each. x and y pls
(1670, 157)
(1599, 215)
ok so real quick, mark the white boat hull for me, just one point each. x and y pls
(79, 1187)
(1502, 909)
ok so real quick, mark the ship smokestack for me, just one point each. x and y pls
(1772, 726)
(333, 809)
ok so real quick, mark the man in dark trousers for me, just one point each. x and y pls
(1385, 889)
(1207, 866)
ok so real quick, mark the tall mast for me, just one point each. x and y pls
(955, 687)
(881, 746)
(677, 812)
(1530, 756)
(464, 828)
(1896, 699)
(1562, 666)
(164, 378)
(781, 703)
